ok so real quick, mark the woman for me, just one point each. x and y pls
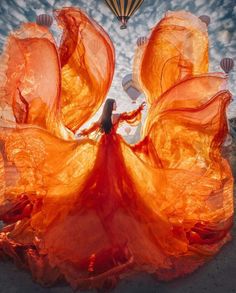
(108, 122)
(89, 210)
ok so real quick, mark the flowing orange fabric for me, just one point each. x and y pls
(177, 48)
(87, 60)
(91, 211)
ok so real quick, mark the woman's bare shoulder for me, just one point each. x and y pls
(115, 117)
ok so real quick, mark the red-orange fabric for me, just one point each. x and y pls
(91, 210)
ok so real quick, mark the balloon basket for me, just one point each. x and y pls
(123, 26)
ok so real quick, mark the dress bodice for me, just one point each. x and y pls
(115, 126)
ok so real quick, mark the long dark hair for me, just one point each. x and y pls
(106, 123)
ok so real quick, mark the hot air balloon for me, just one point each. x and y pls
(124, 9)
(206, 19)
(130, 87)
(227, 64)
(141, 41)
(44, 19)
(127, 130)
(232, 124)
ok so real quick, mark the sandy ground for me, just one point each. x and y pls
(217, 276)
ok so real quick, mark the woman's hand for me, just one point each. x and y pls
(81, 133)
(142, 105)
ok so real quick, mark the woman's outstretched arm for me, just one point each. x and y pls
(95, 126)
(133, 116)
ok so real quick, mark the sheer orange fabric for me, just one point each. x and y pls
(177, 48)
(92, 210)
(87, 60)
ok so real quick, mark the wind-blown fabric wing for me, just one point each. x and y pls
(30, 98)
(39, 164)
(177, 48)
(87, 61)
(30, 80)
(172, 73)
(183, 123)
(41, 87)
(186, 123)
(31, 104)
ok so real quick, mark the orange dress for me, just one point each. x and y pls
(96, 209)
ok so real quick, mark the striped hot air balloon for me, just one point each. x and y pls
(44, 19)
(124, 9)
(206, 19)
(141, 41)
(127, 130)
(227, 64)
